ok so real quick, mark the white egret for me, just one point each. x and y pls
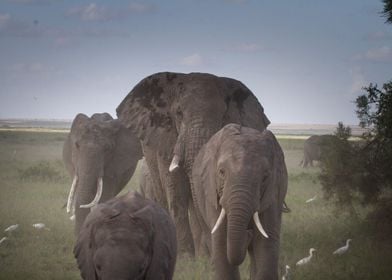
(306, 259)
(3, 239)
(39, 226)
(311, 199)
(286, 275)
(11, 228)
(343, 249)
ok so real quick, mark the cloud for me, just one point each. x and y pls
(378, 36)
(383, 54)
(192, 60)
(33, 2)
(245, 47)
(12, 27)
(358, 80)
(29, 68)
(95, 12)
(236, 1)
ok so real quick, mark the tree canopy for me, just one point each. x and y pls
(387, 11)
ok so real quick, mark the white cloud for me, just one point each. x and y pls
(236, 1)
(26, 68)
(379, 36)
(140, 7)
(192, 60)
(32, 2)
(245, 47)
(95, 12)
(382, 54)
(4, 19)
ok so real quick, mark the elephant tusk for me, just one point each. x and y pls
(97, 196)
(175, 163)
(256, 219)
(72, 194)
(219, 221)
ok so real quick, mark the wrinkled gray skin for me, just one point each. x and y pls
(146, 184)
(313, 148)
(175, 114)
(243, 171)
(99, 147)
(127, 237)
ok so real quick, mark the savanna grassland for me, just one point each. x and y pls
(34, 187)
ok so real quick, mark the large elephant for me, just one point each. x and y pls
(174, 115)
(127, 237)
(101, 156)
(313, 147)
(240, 182)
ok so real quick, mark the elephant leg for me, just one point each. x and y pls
(223, 269)
(157, 194)
(264, 252)
(200, 234)
(178, 194)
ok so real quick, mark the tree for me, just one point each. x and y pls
(362, 171)
(387, 11)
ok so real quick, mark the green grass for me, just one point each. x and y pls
(34, 187)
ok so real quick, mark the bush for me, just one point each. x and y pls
(43, 171)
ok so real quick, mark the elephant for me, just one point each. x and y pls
(101, 155)
(240, 182)
(127, 237)
(174, 115)
(313, 148)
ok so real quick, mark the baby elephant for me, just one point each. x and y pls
(127, 237)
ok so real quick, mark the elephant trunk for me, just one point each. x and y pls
(240, 210)
(191, 138)
(88, 188)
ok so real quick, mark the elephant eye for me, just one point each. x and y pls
(221, 173)
(77, 145)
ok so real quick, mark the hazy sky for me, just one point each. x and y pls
(306, 61)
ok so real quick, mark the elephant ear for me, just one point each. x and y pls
(147, 111)
(126, 152)
(79, 121)
(204, 173)
(243, 107)
(274, 185)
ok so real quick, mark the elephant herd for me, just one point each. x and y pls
(213, 181)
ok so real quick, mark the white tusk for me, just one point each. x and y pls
(97, 196)
(72, 194)
(219, 221)
(258, 224)
(72, 218)
(175, 163)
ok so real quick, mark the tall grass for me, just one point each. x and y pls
(34, 187)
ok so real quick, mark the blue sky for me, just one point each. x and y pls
(306, 61)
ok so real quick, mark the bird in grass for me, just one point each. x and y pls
(3, 239)
(306, 259)
(343, 249)
(311, 199)
(40, 226)
(286, 275)
(11, 228)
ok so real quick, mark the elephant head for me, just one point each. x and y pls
(240, 173)
(101, 156)
(192, 107)
(127, 237)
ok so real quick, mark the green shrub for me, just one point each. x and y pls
(43, 171)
